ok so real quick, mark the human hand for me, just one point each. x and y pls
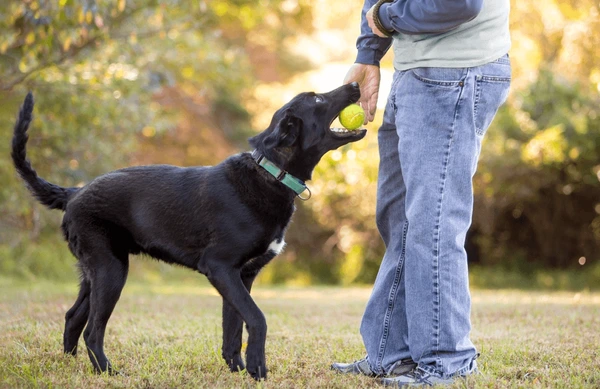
(371, 23)
(368, 78)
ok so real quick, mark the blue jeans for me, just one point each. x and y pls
(429, 144)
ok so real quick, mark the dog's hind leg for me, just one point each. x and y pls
(107, 280)
(76, 318)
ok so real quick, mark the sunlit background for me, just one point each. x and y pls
(187, 82)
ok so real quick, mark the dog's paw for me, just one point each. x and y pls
(258, 373)
(109, 370)
(235, 364)
(71, 351)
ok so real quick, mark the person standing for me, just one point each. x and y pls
(452, 73)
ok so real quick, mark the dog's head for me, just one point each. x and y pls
(300, 132)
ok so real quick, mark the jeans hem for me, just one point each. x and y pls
(468, 369)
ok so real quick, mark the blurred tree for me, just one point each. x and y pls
(538, 189)
(149, 81)
(116, 81)
(538, 185)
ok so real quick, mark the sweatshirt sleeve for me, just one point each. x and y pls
(427, 16)
(371, 48)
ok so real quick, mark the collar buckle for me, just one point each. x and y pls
(281, 175)
(257, 156)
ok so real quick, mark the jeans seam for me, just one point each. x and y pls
(493, 78)
(476, 104)
(479, 82)
(437, 236)
(391, 301)
(399, 76)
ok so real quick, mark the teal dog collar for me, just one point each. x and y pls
(298, 186)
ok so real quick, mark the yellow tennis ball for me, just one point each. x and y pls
(352, 117)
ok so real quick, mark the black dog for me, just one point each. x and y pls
(226, 221)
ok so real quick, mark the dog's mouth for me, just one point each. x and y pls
(350, 94)
(341, 132)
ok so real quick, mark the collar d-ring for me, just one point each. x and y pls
(305, 198)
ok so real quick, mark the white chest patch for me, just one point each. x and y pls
(277, 246)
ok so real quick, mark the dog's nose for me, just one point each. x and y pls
(355, 84)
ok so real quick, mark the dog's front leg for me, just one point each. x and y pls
(229, 284)
(232, 330)
(232, 338)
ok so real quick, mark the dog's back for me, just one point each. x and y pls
(174, 213)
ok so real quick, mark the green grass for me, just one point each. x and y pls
(168, 336)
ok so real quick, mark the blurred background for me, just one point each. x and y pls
(126, 82)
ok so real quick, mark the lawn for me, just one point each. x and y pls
(168, 336)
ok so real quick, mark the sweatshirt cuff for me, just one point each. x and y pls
(368, 57)
(384, 18)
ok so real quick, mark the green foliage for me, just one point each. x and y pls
(148, 81)
(534, 277)
(107, 74)
(49, 258)
(538, 187)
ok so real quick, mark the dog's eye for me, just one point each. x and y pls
(318, 99)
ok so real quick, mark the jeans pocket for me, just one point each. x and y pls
(490, 93)
(450, 77)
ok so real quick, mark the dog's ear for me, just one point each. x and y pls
(285, 133)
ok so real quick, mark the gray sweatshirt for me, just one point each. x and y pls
(437, 33)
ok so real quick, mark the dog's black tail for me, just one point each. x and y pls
(52, 196)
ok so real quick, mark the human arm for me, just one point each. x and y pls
(371, 48)
(427, 16)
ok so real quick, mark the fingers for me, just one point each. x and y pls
(372, 107)
(368, 78)
(365, 106)
(369, 97)
(375, 30)
(372, 25)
